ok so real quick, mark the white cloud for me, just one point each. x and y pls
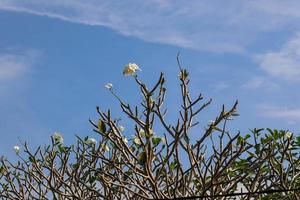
(289, 114)
(14, 67)
(284, 10)
(220, 86)
(216, 26)
(284, 63)
(258, 82)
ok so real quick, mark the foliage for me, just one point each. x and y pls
(157, 165)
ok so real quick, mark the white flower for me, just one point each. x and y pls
(108, 86)
(130, 69)
(163, 140)
(137, 141)
(142, 132)
(17, 149)
(58, 137)
(179, 75)
(211, 121)
(229, 169)
(105, 147)
(91, 141)
(125, 140)
(151, 132)
(121, 128)
(288, 135)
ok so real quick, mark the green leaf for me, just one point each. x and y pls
(163, 89)
(208, 179)
(101, 126)
(298, 141)
(2, 170)
(132, 148)
(257, 148)
(186, 73)
(270, 131)
(231, 174)
(186, 138)
(92, 179)
(31, 159)
(142, 158)
(62, 149)
(173, 165)
(242, 164)
(247, 137)
(266, 140)
(75, 166)
(265, 169)
(240, 140)
(156, 141)
(277, 166)
(127, 174)
(256, 131)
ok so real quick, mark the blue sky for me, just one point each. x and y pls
(55, 57)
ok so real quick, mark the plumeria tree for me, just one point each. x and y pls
(165, 164)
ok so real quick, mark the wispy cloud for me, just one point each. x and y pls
(258, 82)
(284, 63)
(220, 86)
(291, 115)
(14, 66)
(202, 25)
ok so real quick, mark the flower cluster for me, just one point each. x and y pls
(121, 128)
(91, 142)
(288, 135)
(58, 137)
(130, 69)
(108, 86)
(105, 147)
(125, 140)
(17, 149)
(137, 141)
